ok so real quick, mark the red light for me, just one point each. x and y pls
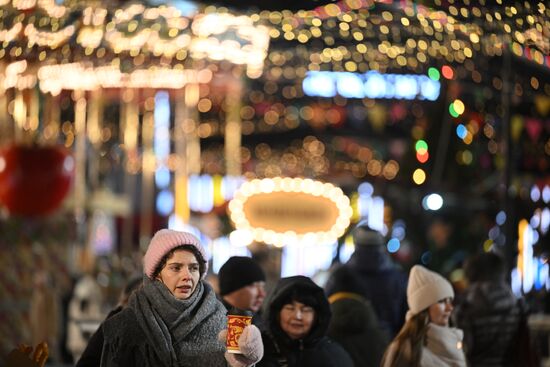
(447, 72)
(422, 157)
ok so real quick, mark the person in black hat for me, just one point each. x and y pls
(242, 285)
(379, 279)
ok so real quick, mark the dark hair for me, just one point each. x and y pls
(484, 267)
(190, 248)
(302, 295)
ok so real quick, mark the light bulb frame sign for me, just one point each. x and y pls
(282, 211)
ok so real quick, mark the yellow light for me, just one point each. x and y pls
(419, 176)
(279, 185)
(458, 106)
(487, 245)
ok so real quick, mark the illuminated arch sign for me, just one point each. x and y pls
(280, 211)
(370, 85)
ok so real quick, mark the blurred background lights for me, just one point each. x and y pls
(307, 259)
(346, 250)
(165, 202)
(421, 146)
(422, 154)
(393, 245)
(422, 157)
(546, 194)
(447, 72)
(434, 74)
(365, 188)
(399, 229)
(419, 176)
(223, 249)
(545, 220)
(432, 202)
(241, 237)
(162, 177)
(487, 245)
(371, 85)
(494, 233)
(456, 108)
(461, 131)
(501, 218)
(535, 193)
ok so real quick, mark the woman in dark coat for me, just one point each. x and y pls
(297, 316)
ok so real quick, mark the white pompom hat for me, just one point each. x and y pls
(426, 288)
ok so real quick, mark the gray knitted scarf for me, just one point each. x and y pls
(181, 331)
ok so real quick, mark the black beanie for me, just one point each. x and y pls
(237, 272)
(363, 235)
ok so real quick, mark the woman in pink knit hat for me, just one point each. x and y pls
(426, 340)
(174, 319)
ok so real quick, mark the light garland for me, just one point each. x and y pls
(316, 193)
(83, 76)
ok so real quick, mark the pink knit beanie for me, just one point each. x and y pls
(163, 242)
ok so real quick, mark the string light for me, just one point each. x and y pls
(327, 212)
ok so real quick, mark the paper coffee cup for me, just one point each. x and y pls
(235, 327)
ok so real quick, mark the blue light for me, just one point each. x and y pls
(161, 144)
(222, 250)
(319, 83)
(230, 184)
(165, 202)
(393, 245)
(405, 87)
(501, 218)
(399, 230)
(461, 131)
(429, 89)
(371, 84)
(366, 189)
(349, 85)
(494, 233)
(375, 86)
(201, 193)
(432, 202)
(162, 177)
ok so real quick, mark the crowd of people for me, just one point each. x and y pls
(369, 313)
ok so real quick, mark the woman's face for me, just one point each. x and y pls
(296, 319)
(440, 312)
(181, 274)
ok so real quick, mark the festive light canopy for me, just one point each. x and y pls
(134, 46)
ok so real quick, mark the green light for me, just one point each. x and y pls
(421, 145)
(434, 74)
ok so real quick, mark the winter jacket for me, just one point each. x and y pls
(442, 348)
(316, 349)
(377, 278)
(91, 357)
(354, 326)
(489, 314)
(154, 330)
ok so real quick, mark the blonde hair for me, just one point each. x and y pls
(413, 333)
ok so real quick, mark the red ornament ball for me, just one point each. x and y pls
(34, 180)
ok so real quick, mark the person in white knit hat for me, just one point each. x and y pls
(175, 318)
(426, 339)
